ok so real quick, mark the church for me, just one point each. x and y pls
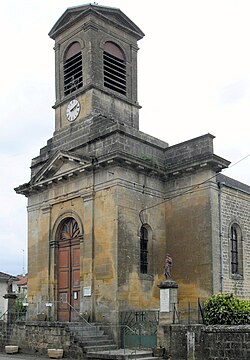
(107, 202)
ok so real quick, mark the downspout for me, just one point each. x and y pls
(220, 184)
(49, 264)
(94, 160)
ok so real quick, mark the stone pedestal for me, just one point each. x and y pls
(168, 301)
(168, 311)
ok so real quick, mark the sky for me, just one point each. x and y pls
(193, 79)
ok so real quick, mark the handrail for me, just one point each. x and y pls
(201, 311)
(120, 326)
(109, 326)
(5, 313)
(77, 312)
(175, 315)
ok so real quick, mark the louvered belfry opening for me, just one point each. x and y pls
(73, 69)
(114, 66)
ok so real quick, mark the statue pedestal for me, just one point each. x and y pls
(168, 311)
(168, 301)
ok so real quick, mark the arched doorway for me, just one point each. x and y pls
(68, 270)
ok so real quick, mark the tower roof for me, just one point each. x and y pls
(113, 15)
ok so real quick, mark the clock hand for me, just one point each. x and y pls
(73, 108)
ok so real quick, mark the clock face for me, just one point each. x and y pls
(73, 110)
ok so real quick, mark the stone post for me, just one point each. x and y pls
(11, 297)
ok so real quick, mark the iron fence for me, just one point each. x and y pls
(189, 313)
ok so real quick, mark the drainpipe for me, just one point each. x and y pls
(94, 161)
(220, 185)
(49, 262)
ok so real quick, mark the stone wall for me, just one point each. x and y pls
(36, 338)
(200, 342)
(235, 209)
(3, 334)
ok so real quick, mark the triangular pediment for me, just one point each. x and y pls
(60, 165)
(77, 13)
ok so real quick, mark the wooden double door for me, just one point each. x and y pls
(68, 279)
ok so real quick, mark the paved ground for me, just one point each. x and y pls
(18, 356)
(4, 356)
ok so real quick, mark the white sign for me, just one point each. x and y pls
(87, 291)
(164, 300)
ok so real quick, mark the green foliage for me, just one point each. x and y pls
(226, 309)
(150, 160)
(20, 309)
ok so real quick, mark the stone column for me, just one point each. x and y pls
(11, 297)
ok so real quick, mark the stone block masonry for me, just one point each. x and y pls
(200, 342)
(38, 337)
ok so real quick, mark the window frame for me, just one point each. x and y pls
(72, 68)
(144, 250)
(236, 251)
(114, 68)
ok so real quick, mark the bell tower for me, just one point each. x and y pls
(96, 66)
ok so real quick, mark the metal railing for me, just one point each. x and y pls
(191, 313)
(4, 315)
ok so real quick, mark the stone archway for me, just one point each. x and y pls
(68, 270)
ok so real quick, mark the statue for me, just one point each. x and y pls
(168, 267)
(9, 286)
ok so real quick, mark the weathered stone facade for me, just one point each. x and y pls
(235, 208)
(112, 180)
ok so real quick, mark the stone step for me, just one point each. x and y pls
(84, 327)
(120, 354)
(98, 342)
(97, 348)
(91, 337)
(87, 333)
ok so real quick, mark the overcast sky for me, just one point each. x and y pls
(194, 78)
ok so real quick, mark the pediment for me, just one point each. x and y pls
(73, 14)
(61, 165)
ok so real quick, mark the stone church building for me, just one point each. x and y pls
(106, 201)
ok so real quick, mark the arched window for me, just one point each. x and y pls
(69, 229)
(72, 68)
(114, 68)
(143, 250)
(236, 250)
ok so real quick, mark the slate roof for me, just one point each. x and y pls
(113, 15)
(232, 183)
(6, 277)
